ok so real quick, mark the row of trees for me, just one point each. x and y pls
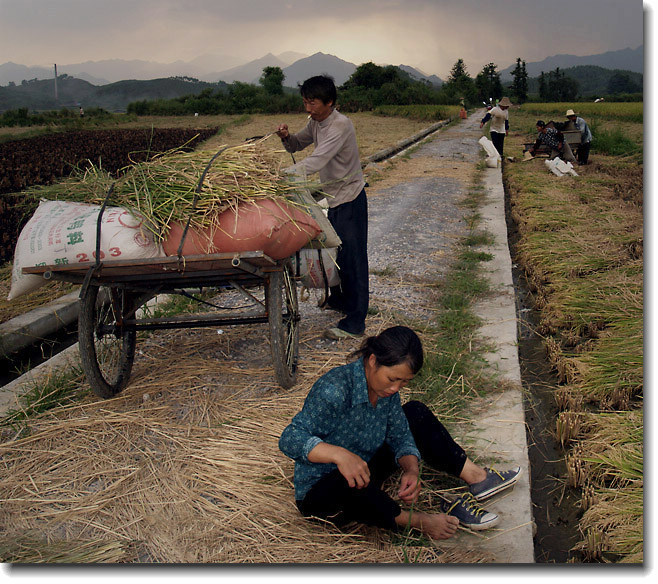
(487, 84)
(369, 86)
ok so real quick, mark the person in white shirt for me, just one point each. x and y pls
(499, 126)
(582, 152)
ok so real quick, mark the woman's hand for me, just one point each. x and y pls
(410, 481)
(433, 525)
(353, 468)
(409, 487)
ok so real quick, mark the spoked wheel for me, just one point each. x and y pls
(284, 319)
(107, 348)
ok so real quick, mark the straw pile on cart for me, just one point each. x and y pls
(181, 203)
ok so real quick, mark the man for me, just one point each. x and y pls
(555, 141)
(585, 136)
(336, 158)
(499, 127)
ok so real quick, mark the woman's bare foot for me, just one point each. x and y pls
(434, 526)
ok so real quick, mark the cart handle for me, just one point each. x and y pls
(197, 191)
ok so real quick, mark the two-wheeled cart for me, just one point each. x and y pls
(114, 293)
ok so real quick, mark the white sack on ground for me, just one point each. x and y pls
(489, 148)
(317, 267)
(559, 167)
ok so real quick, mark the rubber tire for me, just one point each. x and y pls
(283, 318)
(107, 361)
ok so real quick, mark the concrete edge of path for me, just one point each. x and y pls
(26, 329)
(500, 431)
(14, 390)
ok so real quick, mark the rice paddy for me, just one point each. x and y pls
(581, 249)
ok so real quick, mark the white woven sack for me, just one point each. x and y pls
(311, 264)
(62, 232)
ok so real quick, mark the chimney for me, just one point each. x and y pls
(55, 81)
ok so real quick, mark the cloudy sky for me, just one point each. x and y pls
(428, 34)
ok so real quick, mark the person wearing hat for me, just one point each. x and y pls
(554, 139)
(585, 136)
(499, 123)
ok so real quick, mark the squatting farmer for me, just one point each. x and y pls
(554, 139)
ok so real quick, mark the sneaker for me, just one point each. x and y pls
(495, 483)
(470, 514)
(338, 334)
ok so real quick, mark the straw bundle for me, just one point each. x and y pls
(163, 190)
(609, 460)
(178, 185)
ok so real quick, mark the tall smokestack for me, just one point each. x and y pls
(55, 81)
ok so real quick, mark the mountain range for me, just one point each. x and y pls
(86, 83)
(296, 67)
(624, 59)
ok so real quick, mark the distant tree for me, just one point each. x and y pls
(519, 87)
(272, 80)
(371, 76)
(622, 83)
(556, 86)
(459, 84)
(542, 86)
(487, 83)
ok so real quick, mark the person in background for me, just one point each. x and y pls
(499, 126)
(554, 139)
(336, 158)
(582, 152)
(353, 433)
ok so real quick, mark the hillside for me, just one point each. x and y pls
(594, 81)
(625, 59)
(249, 73)
(40, 94)
(72, 92)
(318, 64)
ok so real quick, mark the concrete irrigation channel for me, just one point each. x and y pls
(415, 219)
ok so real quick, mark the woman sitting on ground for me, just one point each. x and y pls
(352, 434)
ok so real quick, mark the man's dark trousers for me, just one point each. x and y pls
(350, 221)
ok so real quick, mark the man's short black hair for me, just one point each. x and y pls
(320, 87)
(541, 123)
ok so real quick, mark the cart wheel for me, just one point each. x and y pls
(284, 319)
(106, 349)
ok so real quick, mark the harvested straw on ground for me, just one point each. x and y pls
(182, 467)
